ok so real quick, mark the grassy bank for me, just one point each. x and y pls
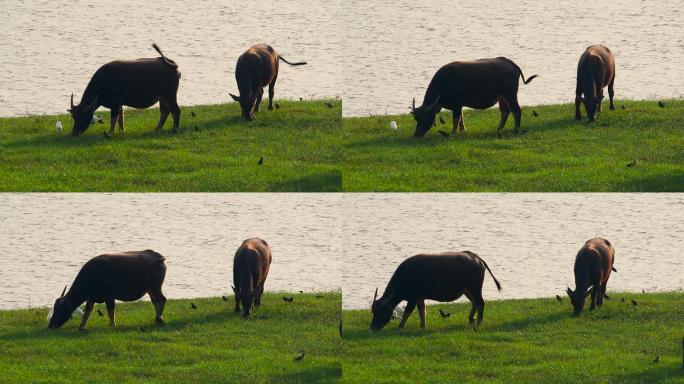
(205, 345)
(528, 341)
(555, 153)
(215, 151)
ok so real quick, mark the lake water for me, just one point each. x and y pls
(393, 48)
(528, 240)
(46, 238)
(52, 48)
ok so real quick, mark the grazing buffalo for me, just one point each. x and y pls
(257, 68)
(595, 70)
(133, 83)
(126, 276)
(475, 84)
(442, 277)
(250, 268)
(593, 265)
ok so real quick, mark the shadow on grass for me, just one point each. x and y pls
(315, 182)
(320, 374)
(664, 182)
(653, 374)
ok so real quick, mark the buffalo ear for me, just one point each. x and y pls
(236, 98)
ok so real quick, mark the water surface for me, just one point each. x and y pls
(50, 49)
(393, 48)
(46, 238)
(528, 240)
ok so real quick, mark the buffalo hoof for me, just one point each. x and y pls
(159, 321)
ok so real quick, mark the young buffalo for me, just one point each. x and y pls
(593, 265)
(126, 276)
(250, 268)
(133, 83)
(595, 70)
(475, 84)
(257, 68)
(442, 277)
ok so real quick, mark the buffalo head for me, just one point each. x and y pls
(247, 104)
(577, 299)
(382, 312)
(424, 116)
(82, 115)
(591, 105)
(61, 312)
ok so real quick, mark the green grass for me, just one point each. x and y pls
(555, 153)
(300, 144)
(207, 345)
(524, 341)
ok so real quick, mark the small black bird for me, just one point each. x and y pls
(657, 359)
(340, 328)
(559, 298)
(192, 113)
(643, 291)
(441, 120)
(300, 99)
(193, 306)
(534, 113)
(661, 104)
(107, 135)
(443, 133)
(261, 161)
(632, 163)
(634, 302)
(100, 313)
(622, 300)
(196, 128)
(622, 107)
(277, 106)
(319, 296)
(329, 104)
(444, 314)
(224, 298)
(301, 291)
(288, 299)
(299, 357)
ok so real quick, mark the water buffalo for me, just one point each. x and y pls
(250, 268)
(442, 277)
(475, 84)
(593, 265)
(133, 83)
(125, 276)
(595, 70)
(257, 68)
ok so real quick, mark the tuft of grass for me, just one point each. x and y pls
(215, 151)
(554, 153)
(524, 341)
(205, 345)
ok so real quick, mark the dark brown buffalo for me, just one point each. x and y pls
(442, 277)
(257, 68)
(475, 84)
(595, 70)
(593, 265)
(250, 268)
(125, 276)
(132, 83)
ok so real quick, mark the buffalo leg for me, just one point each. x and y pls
(505, 111)
(111, 311)
(611, 93)
(121, 120)
(480, 303)
(271, 92)
(600, 295)
(260, 95)
(163, 114)
(421, 313)
(86, 314)
(578, 114)
(114, 117)
(158, 299)
(594, 291)
(517, 114)
(458, 118)
(410, 306)
(175, 112)
(237, 304)
(473, 309)
(257, 297)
